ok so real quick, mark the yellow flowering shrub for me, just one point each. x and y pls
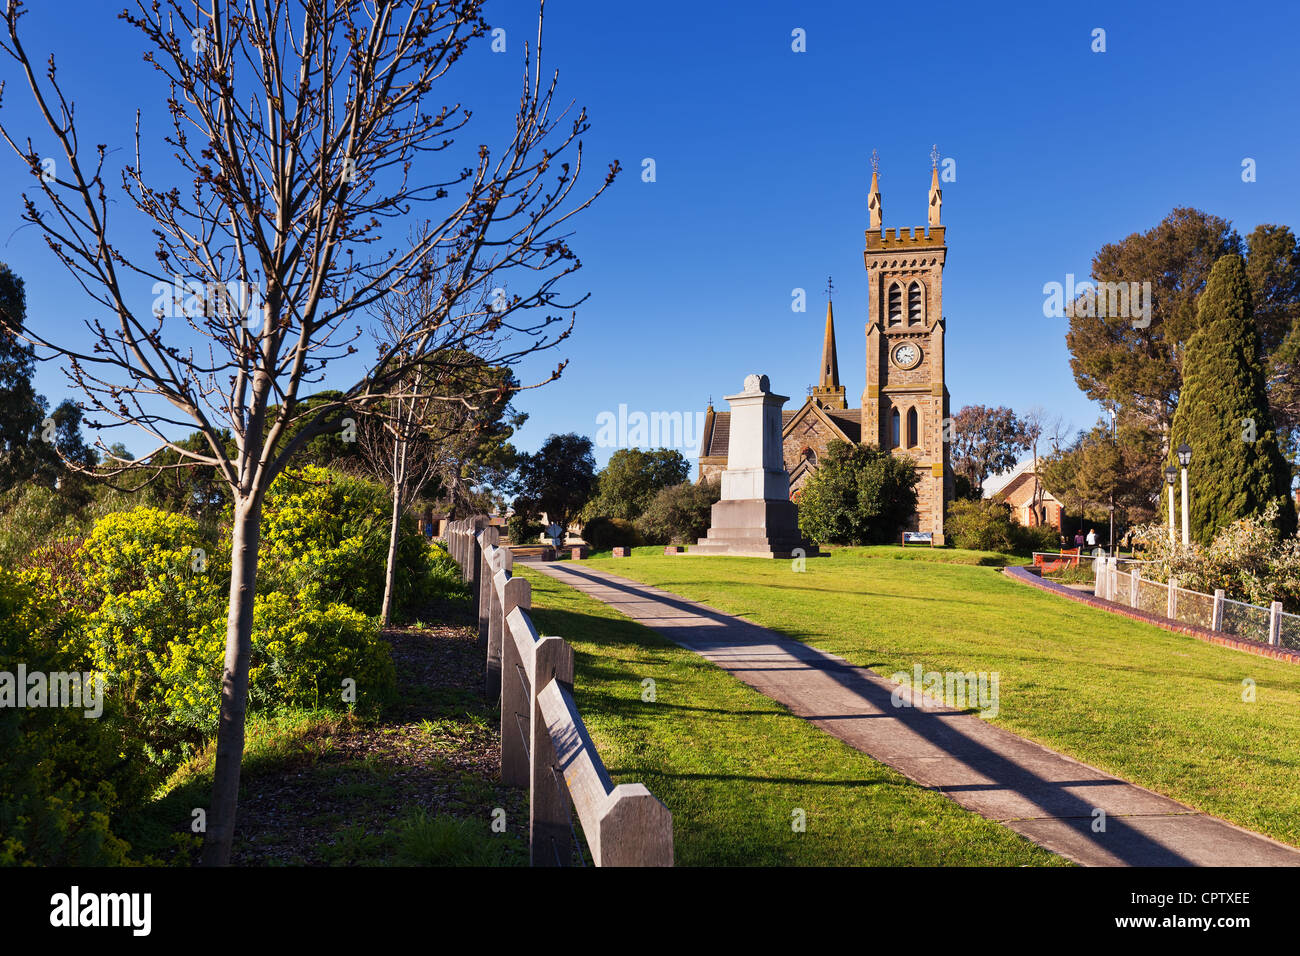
(303, 653)
(61, 772)
(154, 592)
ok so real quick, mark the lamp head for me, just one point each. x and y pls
(1184, 455)
(1171, 474)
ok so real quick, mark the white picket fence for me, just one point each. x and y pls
(1214, 612)
(544, 743)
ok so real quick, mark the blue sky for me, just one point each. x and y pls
(762, 167)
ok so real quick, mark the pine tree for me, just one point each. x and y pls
(20, 408)
(1223, 412)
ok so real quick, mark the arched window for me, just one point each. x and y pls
(911, 428)
(895, 304)
(915, 304)
(895, 421)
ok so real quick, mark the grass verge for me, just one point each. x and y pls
(1206, 725)
(737, 769)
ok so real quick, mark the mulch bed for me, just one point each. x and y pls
(436, 747)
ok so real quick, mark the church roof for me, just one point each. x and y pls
(848, 419)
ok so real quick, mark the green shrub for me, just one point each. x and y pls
(302, 653)
(426, 576)
(605, 533)
(438, 579)
(859, 494)
(631, 479)
(32, 514)
(1040, 537)
(327, 533)
(1246, 559)
(522, 529)
(58, 767)
(982, 525)
(679, 514)
(153, 595)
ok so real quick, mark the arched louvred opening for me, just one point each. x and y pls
(895, 304)
(895, 424)
(911, 428)
(915, 304)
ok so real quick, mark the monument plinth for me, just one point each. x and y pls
(755, 516)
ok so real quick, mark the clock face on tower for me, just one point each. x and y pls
(907, 355)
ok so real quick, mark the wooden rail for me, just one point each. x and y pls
(544, 743)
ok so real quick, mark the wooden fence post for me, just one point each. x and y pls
(500, 566)
(548, 810)
(516, 690)
(473, 565)
(1134, 586)
(636, 829)
(1275, 623)
(1171, 606)
(1216, 617)
(482, 583)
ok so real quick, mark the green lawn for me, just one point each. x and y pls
(1157, 708)
(734, 766)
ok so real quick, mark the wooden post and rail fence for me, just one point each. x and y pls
(544, 743)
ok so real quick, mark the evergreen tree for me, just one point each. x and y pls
(557, 479)
(20, 409)
(859, 494)
(1223, 412)
(629, 482)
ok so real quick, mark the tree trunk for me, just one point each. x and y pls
(399, 493)
(245, 537)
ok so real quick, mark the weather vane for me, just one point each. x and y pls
(934, 156)
(830, 287)
(875, 161)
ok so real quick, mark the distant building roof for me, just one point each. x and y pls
(995, 483)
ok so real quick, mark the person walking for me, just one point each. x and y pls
(1092, 542)
(1078, 539)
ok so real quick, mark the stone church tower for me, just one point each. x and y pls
(905, 403)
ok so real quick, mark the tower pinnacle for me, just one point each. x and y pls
(873, 197)
(936, 194)
(830, 393)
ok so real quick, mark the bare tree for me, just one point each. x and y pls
(299, 131)
(406, 440)
(1041, 425)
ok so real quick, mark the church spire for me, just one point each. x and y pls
(830, 361)
(830, 393)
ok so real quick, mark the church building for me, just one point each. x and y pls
(905, 404)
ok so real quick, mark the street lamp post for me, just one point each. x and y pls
(1171, 475)
(1110, 542)
(1185, 459)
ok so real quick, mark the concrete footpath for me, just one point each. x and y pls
(1045, 796)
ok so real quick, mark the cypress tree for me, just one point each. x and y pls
(1223, 415)
(20, 408)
